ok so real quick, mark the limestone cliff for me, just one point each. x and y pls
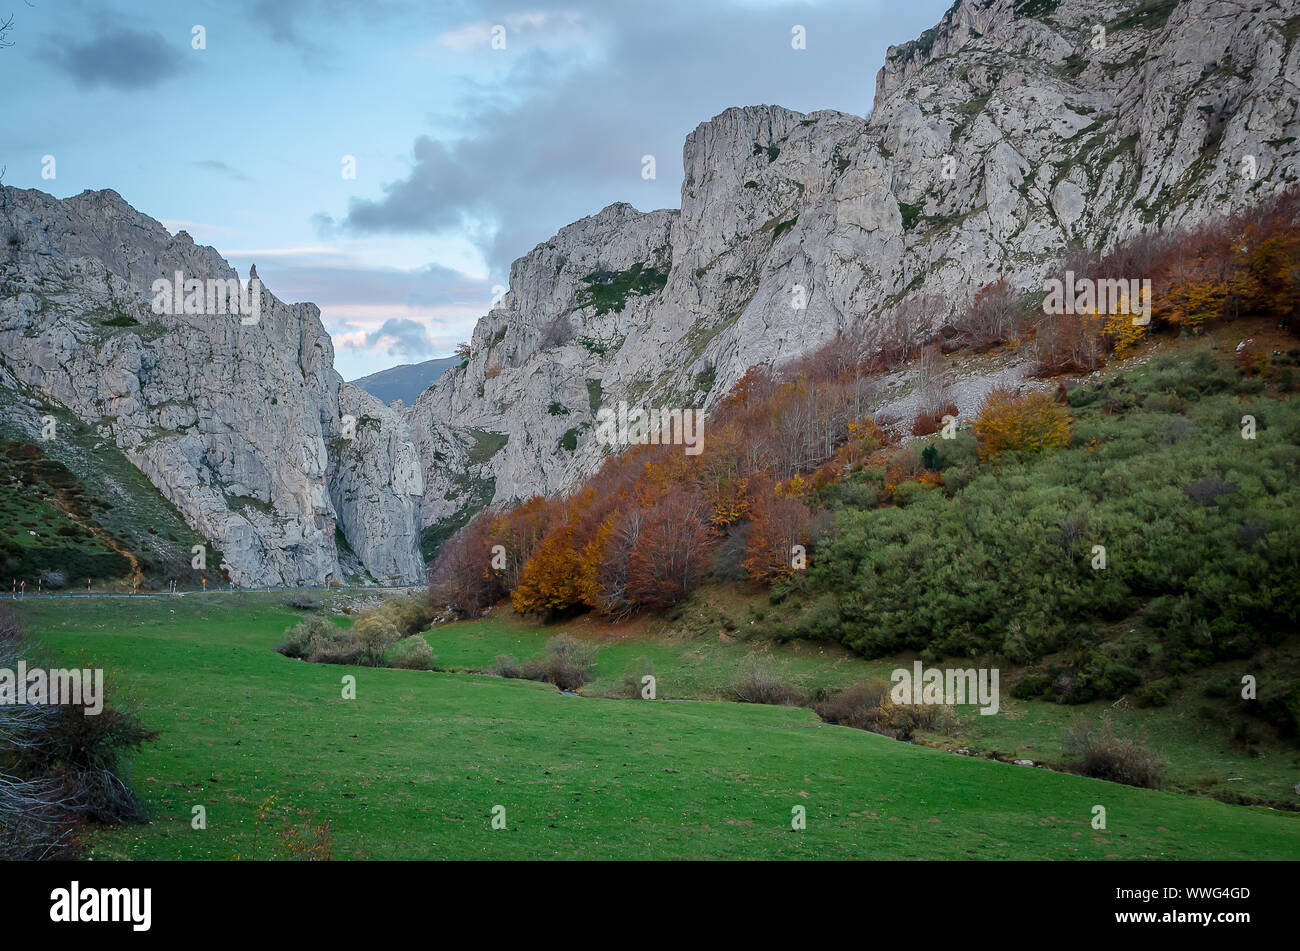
(241, 426)
(1009, 131)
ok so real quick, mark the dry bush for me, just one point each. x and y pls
(867, 706)
(302, 640)
(507, 665)
(760, 684)
(59, 768)
(1094, 749)
(567, 663)
(556, 334)
(995, 316)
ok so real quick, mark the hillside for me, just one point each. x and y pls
(77, 511)
(1117, 521)
(1007, 134)
(405, 382)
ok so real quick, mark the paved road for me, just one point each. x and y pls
(212, 590)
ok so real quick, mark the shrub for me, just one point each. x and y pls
(909, 492)
(1155, 694)
(1094, 749)
(556, 334)
(925, 425)
(60, 768)
(302, 640)
(760, 684)
(87, 751)
(506, 665)
(867, 706)
(567, 663)
(862, 491)
(409, 614)
(339, 647)
(1207, 491)
(375, 633)
(302, 602)
(636, 671)
(412, 653)
(318, 641)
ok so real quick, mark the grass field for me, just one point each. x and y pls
(413, 767)
(1201, 739)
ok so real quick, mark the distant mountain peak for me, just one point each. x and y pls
(406, 382)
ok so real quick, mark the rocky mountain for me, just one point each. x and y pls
(405, 382)
(293, 475)
(1009, 132)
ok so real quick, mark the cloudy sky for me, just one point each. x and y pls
(465, 155)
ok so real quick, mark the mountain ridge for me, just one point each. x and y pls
(405, 381)
(999, 139)
(241, 426)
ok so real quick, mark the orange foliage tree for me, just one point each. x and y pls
(552, 579)
(779, 523)
(671, 551)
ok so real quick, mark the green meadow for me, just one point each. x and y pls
(413, 767)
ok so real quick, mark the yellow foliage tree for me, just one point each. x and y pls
(1191, 303)
(729, 502)
(1030, 423)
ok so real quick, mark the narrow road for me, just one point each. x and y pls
(213, 590)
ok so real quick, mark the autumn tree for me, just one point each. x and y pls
(778, 524)
(993, 317)
(462, 577)
(1029, 423)
(671, 551)
(552, 579)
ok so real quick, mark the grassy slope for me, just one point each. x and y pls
(412, 767)
(123, 512)
(691, 660)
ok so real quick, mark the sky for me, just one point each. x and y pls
(240, 122)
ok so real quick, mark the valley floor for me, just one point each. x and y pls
(414, 766)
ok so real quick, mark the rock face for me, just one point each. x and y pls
(240, 425)
(1009, 131)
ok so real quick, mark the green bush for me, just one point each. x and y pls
(375, 633)
(567, 664)
(412, 653)
(636, 671)
(1001, 562)
(909, 492)
(1154, 694)
(305, 637)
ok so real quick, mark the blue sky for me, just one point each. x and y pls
(466, 156)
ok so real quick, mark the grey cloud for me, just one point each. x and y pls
(118, 57)
(573, 139)
(430, 286)
(216, 165)
(408, 338)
